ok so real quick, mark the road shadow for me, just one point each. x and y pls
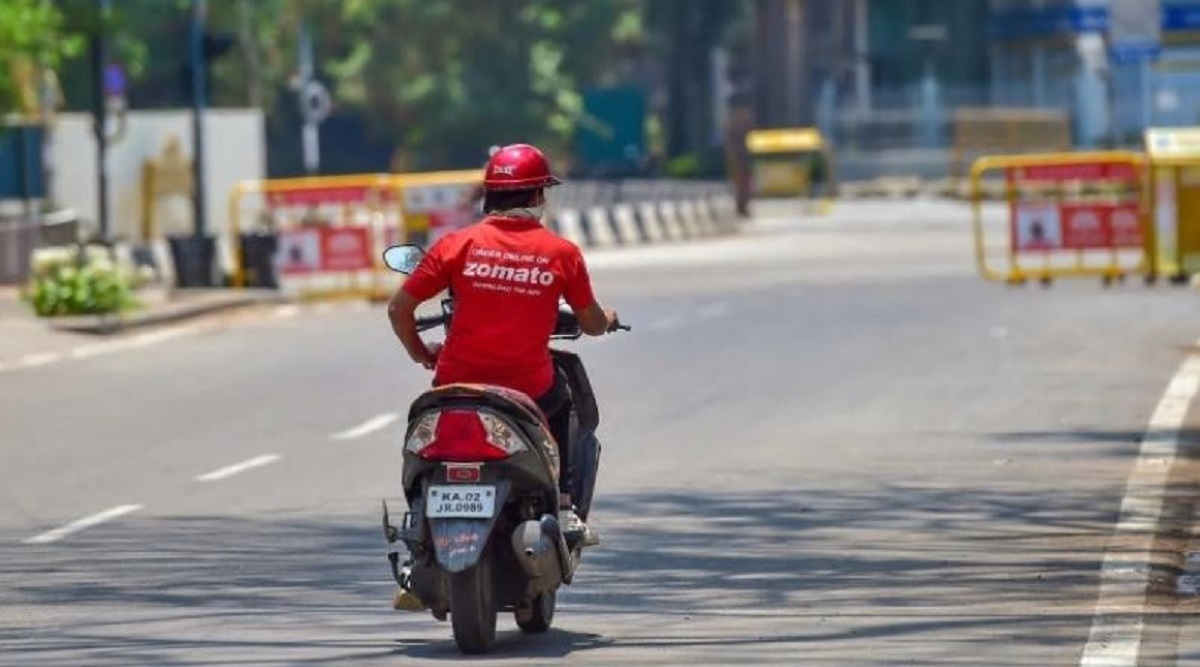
(795, 568)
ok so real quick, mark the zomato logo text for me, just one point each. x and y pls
(534, 276)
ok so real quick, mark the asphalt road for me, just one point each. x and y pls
(826, 442)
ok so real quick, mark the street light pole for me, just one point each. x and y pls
(100, 114)
(198, 103)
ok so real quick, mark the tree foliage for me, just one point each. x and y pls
(31, 37)
(441, 80)
(445, 79)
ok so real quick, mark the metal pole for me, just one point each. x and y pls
(1147, 75)
(862, 63)
(100, 115)
(199, 78)
(310, 136)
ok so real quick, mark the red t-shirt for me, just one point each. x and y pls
(507, 275)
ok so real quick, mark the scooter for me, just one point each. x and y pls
(481, 480)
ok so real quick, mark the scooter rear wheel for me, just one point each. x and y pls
(473, 608)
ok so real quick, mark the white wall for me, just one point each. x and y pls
(235, 143)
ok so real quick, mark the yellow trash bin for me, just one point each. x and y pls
(790, 162)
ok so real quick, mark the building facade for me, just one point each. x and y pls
(1058, 53)
(887, 74)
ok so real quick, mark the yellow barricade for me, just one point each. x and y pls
(328, 233)
(1174, 157)
(1068, 215)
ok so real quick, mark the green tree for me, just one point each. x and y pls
(444, 80)
(32, 36)
(685, 33)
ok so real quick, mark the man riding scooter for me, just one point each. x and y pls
(508, 274)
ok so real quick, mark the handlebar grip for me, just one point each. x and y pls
(430, 322)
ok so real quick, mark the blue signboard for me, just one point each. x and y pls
(21, 162)
(1025, 24)
(1031, 24)
(1135, 53)
(1134, 30)
(1181, 16)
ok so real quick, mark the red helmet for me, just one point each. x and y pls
(518, 167)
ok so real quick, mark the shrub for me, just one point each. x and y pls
(71, 281)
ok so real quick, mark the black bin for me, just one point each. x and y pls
(194, 260)
(258, 260)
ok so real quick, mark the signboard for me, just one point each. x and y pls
(21, 164)
(1135, 30)
(1083, 206)
(1174, 16)
(1177, 143)
(324, 250)
(610, 135)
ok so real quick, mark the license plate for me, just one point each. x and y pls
(460, 501)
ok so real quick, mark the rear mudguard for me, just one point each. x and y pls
(458, 543)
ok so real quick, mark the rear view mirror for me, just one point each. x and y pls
(403, 258)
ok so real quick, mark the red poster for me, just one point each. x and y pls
(346, 249)
(1125, 226)
(1100, 226)
(1046, 219)
(1083, 226)
(320, 249)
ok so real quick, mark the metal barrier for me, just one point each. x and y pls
(1069, 215)
(328, 233)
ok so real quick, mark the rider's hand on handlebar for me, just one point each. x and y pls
(614, 322)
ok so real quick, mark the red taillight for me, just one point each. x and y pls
(464, 473)
(461, 436)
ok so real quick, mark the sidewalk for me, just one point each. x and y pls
(22, 333)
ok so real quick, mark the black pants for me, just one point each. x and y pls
(556, 404)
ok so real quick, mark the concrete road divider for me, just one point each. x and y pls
(651, 222)
(627, 213)
(600, 232)
(625, 222)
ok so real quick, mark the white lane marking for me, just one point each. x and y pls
(367, 427)
(145, 339)
(230, 471)
(1118, 624)
(85, 522)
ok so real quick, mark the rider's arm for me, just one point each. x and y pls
(402, 311)
(596, 321)
(429, 279)
(593, 320)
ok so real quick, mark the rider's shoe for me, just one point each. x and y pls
(406, 600)
(576, 531)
